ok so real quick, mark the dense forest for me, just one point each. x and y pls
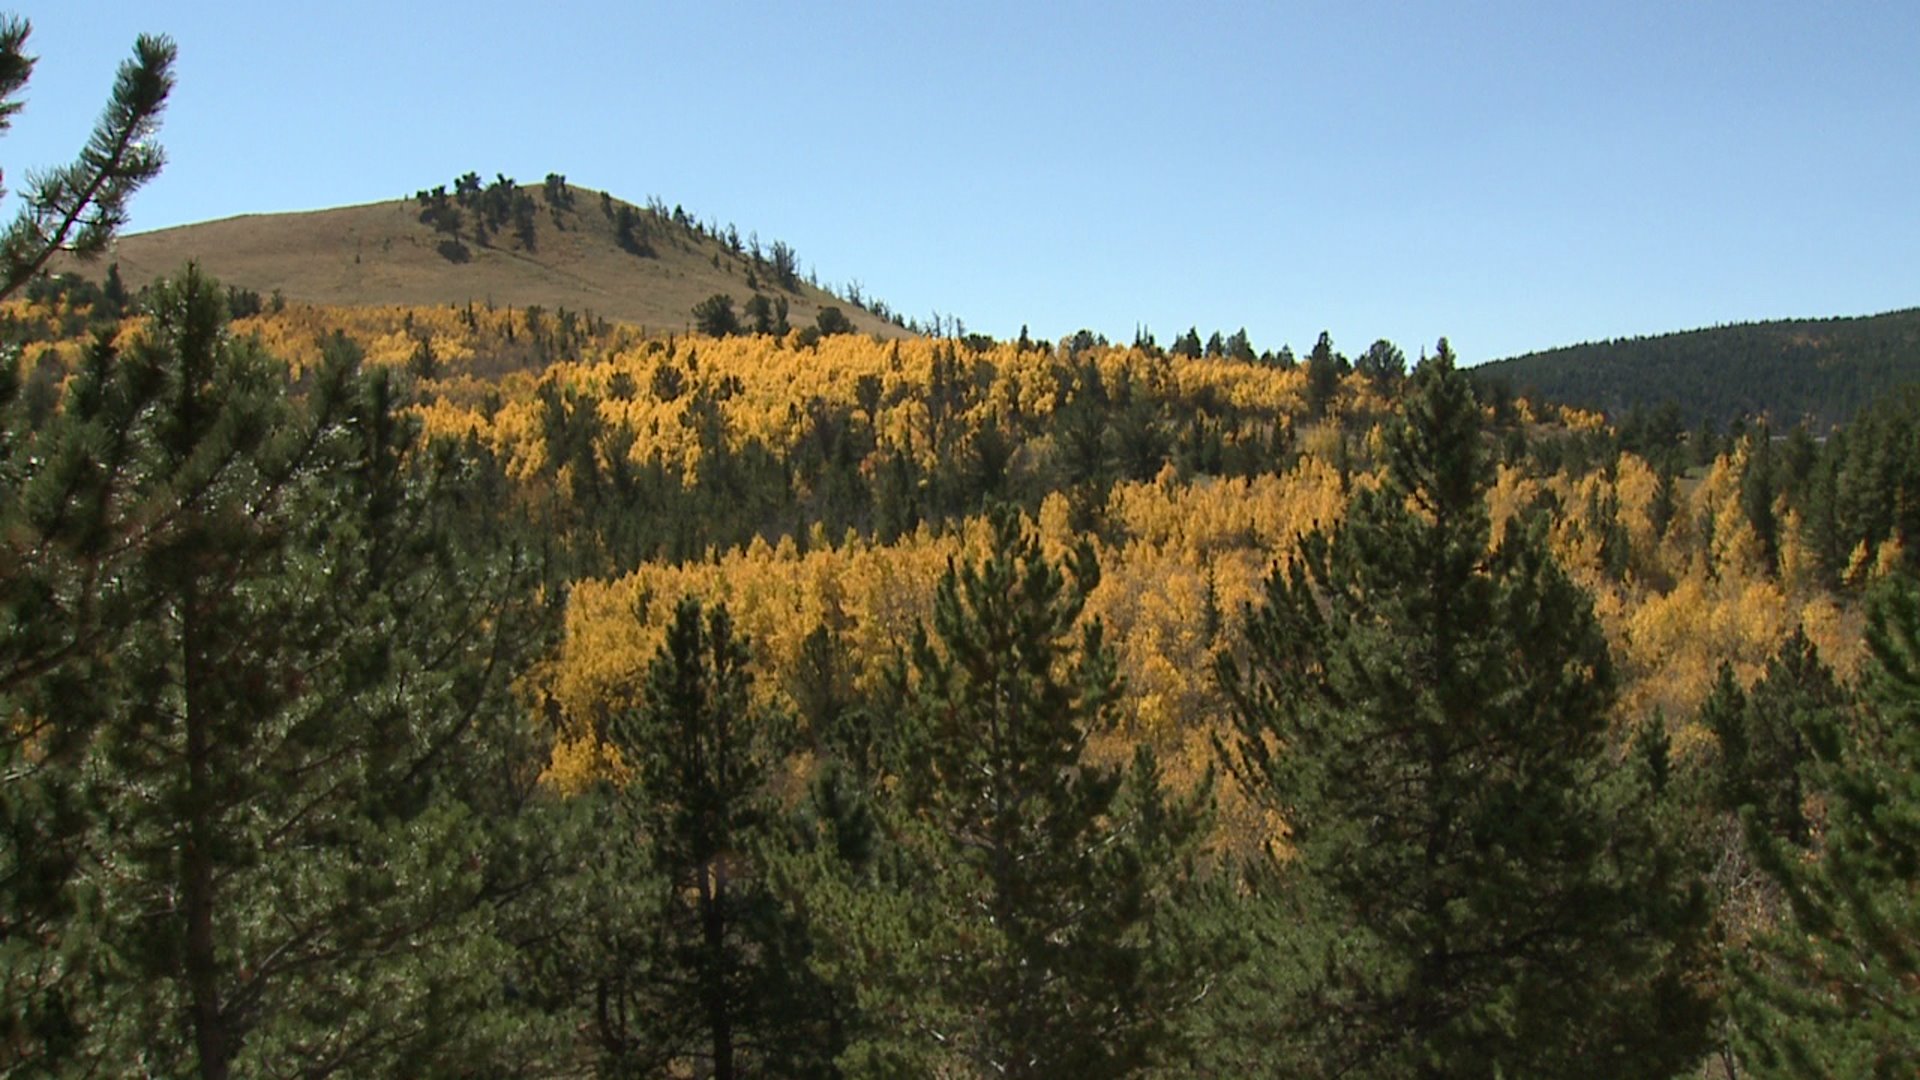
(1814, 371)
(471, 691)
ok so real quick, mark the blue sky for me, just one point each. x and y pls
(1509, 175)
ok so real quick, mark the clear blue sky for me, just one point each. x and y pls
(1510, 175)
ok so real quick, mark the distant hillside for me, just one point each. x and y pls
(1820, 370)
(553, 245)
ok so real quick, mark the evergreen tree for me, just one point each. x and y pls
(1867, 492)
(831, 320)
(1479, 886)
(1033, 928)
(759, 312)
(785, 264)
(1383, 362)
(1239, 347)
(114, 292)
(64, 613)
(715, 317)
(708, 966)
(1704, 443)
(1757, 488)
(1325, 369)
(1764, 754)
(1831, 992)
(631, 232)
(284, 780)
(1756, 778)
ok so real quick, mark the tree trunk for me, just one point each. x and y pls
(196, 857)
(713, 891)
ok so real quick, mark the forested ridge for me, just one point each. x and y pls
(478, 691)
(1816, 371)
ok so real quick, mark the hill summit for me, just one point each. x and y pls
(551, 244)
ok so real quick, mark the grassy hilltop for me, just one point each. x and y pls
(551, 245)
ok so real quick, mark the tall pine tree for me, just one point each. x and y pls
(266, 653)
(1478, 885)
(1031, 931)
(59, 595)
(701, 965)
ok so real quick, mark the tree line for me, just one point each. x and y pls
(1813, 371)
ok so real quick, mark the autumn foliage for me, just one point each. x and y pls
(820, 489)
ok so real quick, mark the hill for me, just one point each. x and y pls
(1819, 370)
(550, 245)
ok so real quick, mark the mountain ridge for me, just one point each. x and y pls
(1817, 370)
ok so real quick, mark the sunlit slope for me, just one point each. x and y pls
(384, 253)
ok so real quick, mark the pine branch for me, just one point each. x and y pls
(79, 207)
(15, 68)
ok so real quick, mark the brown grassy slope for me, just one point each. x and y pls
(380, 253)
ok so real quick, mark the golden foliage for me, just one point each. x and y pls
(1181, 558)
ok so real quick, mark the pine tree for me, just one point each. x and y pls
(715, 316)
(1756, 780)
(61, 607)
(272, 667)
(708, 966)
(1383, 362)
(1478, 884)
(64, 613)
(1758, 484)
(1832, 991)
(1325, 369)
(1764, 753)
(1037, 907)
